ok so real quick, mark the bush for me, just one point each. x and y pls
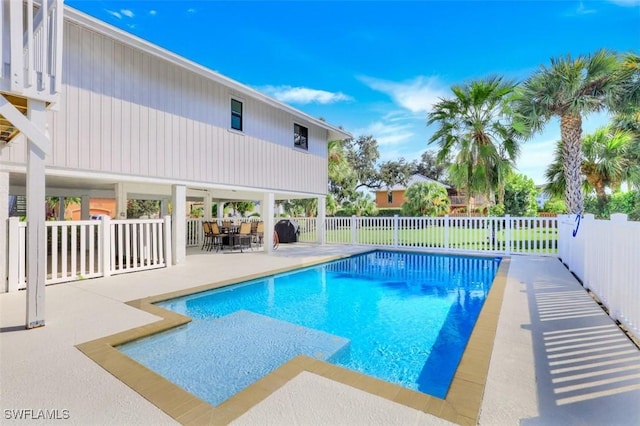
(389, 212)
(497, 210)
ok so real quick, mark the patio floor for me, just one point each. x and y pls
(557, 358)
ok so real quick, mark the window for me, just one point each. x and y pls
(390, 197)
(300, 136)
(236, 115)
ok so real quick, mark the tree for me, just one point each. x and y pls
(395, 173)
(362, 205)
(474, 130)
(426, 199)
(571, 89)
(362, 155)
(431, 167)
(520, 196)
(138, 208)
(607, 159)
(341, 176)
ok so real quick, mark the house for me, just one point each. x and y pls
(90, 111)
(394, 197)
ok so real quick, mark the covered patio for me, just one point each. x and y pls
(557, 358)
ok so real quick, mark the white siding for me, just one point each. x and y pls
(127, 112)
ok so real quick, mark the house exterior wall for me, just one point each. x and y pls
(124, 111)
(382, 200)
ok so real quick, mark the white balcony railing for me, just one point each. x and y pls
(31, 48)
(83, 249)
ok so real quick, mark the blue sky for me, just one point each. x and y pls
(376, 67)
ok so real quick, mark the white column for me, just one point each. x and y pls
(322, 213)
(4, 218)
(267, 202)
(207, 206)
(164, 207)
(121, 200)
(178, 224)
(36, 231)
(85, 207)
(220, 209)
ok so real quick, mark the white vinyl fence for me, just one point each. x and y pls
(80, 249)
(530, 235)
(605, 256)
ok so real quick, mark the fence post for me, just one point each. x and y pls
(616, 262)
(13, 272)
(354, 230)
(395, 230)
(105, 223)
(447, 223)
(167, 241)
(507, 234)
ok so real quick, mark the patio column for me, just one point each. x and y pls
(36, 230)
(121, 200)
(268, 201)
(220, 209)
(207, 206)
(178, 224)
(4, 240)
(85, 210)
(322, 213)
(164, 207)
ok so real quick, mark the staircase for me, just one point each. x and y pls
(17, 205)
(30, 59)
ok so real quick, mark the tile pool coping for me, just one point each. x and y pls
(461, 405)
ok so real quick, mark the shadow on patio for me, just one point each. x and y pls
(587, 369)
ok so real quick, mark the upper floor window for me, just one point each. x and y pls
(236, 115)
(300, 136)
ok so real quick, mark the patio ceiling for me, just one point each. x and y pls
(103, 187)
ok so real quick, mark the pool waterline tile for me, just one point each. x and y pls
(462, 408)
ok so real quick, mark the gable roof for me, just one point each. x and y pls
(101, 27)
(416, 178)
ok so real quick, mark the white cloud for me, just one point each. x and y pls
(303, 95)
(128, 13)
(153, 12)
(534, 158)
(417, 95)
(387, 133)
(191, 10)
(114, 13)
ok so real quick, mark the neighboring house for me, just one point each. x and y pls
(394, 197)
(126, 119)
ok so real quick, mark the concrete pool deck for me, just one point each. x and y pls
(557, 358)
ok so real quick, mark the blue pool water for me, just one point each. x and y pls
(401, 317)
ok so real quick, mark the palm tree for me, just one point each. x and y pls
(426, 199)
(474, 130)
(570, 89)
(606, 161)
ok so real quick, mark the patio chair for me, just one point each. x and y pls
(244, 237)
(258, 234)
(207, 235)
(216, 236)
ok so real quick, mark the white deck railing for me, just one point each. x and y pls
(530, 235)
(605, 256)
(31, 47)
(80, 249)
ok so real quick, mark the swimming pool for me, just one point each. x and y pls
(401, 317)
